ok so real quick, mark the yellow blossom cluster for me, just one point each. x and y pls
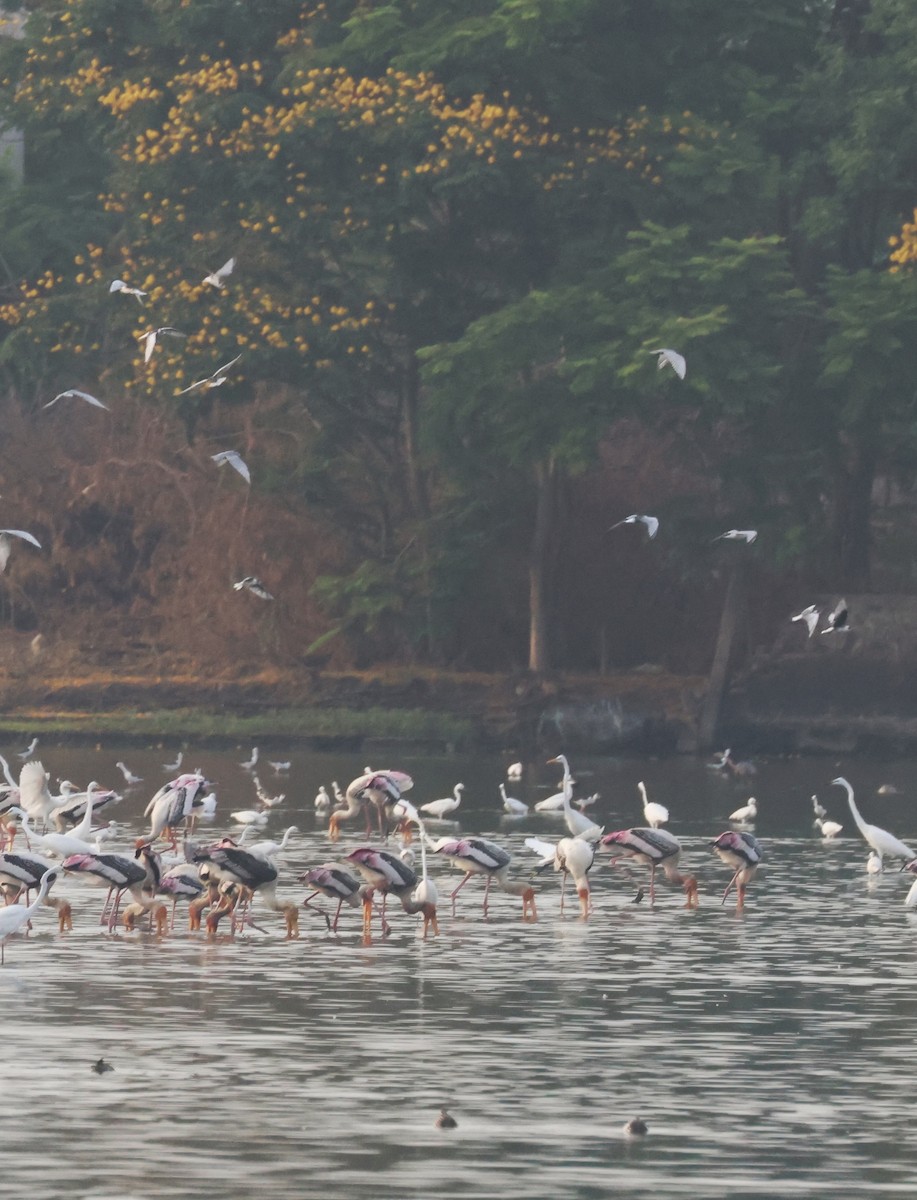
(904, 245)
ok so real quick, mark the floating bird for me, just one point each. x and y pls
(15, 916)
(883, 842)
(819, 809)
(515, 808)
(653, 848)
(249, 764)
(654, 814)
(250, 816)
(100, 1066)
(737, 535)
(6, 545)
(837, 619)
(445, 1121)
(651, 523)
(217, 379)
(218, 278)
(672, 359)
(118, 285)
(74, 393)
(887, 789)
(151, 336)
(29, 750)
(441, 808)
(828, 829)
(742, 851)
(811, 616)
(254, 585)
(175, 766)
(477, 856)
(747, 814)
(235, 461)
(129, 777)
(514, 771)
(636, 1127)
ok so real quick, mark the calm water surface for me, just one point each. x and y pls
(771, 1054)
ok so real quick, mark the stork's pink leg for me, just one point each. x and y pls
(468, 875)
(563, 888)
(729, 885)
(652, 883)
(487, 883)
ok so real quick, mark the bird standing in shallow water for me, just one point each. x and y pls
(654, 848)
(477, 856)
(743, 851)
(881, 840)
(654, 814)
(16, 916)
(747, 814)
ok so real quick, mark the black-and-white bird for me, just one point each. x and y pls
(811, 617)
(235, 461)
(74, 393)
(218, 278)
(737, 535)
(6, 545)
(837, 619)
(251, 584)
(671, 358)
(651, 523)
(118, 285)
(219, 377)
(151, 336)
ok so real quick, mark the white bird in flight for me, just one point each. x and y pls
(30, 749)
(118, 285)
(219, 377)
(150, 337)
(218, 278)
(671, 358)
(253, 585)
(737, 535)
(6, 545)
(651, 523)
(74, 393)
(235, 460)
(810, 615)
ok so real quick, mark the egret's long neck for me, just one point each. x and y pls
(85, 825)
(861, 824)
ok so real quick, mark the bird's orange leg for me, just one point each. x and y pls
(585, 905)
(468, 875)
(729, 886)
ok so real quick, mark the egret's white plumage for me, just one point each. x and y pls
(818, 809)
(235, 460)
(651, 523)
(746, 814)
(129, 777)
(654, 814)
(829, 829)
(514, 771)
(874, 865)
(515, 808)
(881, 840)
(811, 617)
(442, 808)
(15, 916)
(670, 358)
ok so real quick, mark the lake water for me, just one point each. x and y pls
(770, 1053)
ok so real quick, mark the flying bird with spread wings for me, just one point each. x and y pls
(73, 393)
(737, 535)
(218, 278)
(651, 523)
(235, 460)
(219, 377)
(251, 584)
(150, 337)
(671, 358)
(118, 285)
(810, 615)
(6, 545)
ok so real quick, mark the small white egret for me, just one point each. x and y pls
(442, 808)
(515, 808)
(746, 814)
(818, 809)
(654, 814)
(15, 916)
(829, 829)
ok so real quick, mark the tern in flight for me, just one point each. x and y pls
(220, 375)
(672, 359)
(72, 393)
(251, 584)
(150, 337)
(235, 460)
(651, 523)
(218, 278)
(6, 544)
(810, 615)
(737, 535)
(118, 285)
(837, 620)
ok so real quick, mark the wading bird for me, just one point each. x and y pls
(477, 856)
(22, 871)
(120, 873)
(651, 523)
(654, 814)
(653, 848)
(828, 829)
(570, 856)
(515, 808)
(250, 872)
(883, 842)
(442, 808)
(333, 881)
(747, 814)
(818, 809)
(387, 873)
(15, 916)
(577, 822)
(743, 852)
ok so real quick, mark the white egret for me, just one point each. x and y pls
(746, 814)
(654, 814)
(515, 808)
(828, 829)
(442, 808)
(15, 916)
(129, 777)
(881, 840)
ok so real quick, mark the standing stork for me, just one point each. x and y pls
(333, 881)
(477, 856)
(251, 872)
(572, 856)
(22, 871)
(387, 873)
(654, 848)
(742, 850)
(120, 873)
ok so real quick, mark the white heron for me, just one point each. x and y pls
(15, 916)
(811, 617)
(874, 864)
(514, 771)
(577, 822)
(118, 285)
(174, 766)
(322, 800)
(883, 842)
(250, 816)
(651, 523)
(129, 777)
(218, 277)
(747, 814)
(515, 808)
(670, 358)
(235, 460)
(29, 750)
(654, 814)
(828, 829)
(217, 379)
(249, 764)
(266, 848)
(818, 809)
(34, 795)
(438, 809)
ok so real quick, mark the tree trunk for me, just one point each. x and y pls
(730, 623)
(852, 512)
(540, 566)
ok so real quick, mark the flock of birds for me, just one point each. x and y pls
(149, 339)
(221, 879)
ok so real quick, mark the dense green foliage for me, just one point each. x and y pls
(461, 230)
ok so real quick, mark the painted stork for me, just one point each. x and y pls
(477, 856)
(387, 873)
(654, 848)
(741, 850)
(22, 871)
